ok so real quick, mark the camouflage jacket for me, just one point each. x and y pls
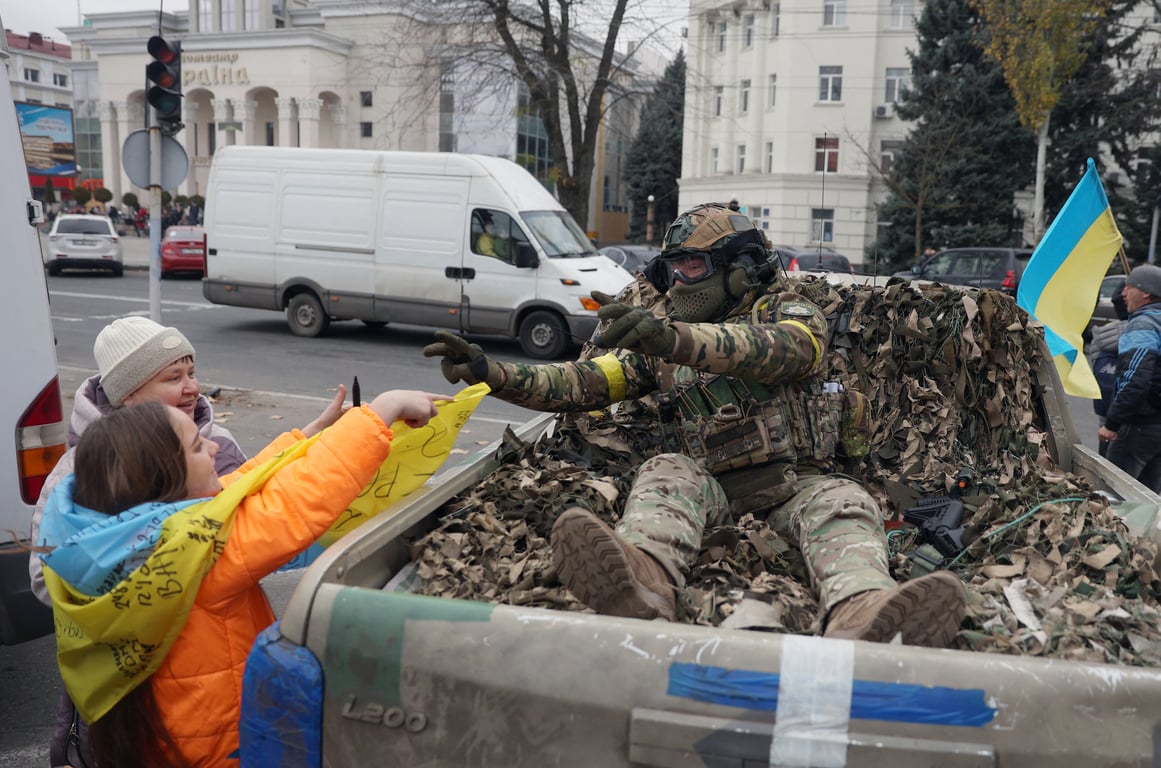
(777, 339)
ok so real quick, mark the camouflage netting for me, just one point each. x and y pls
(1052, 570)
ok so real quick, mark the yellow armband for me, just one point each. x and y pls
(813, 341)
(614, 374)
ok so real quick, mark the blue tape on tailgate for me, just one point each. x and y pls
(870, 700)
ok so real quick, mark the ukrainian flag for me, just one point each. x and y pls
(1060, 284)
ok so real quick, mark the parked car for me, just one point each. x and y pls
(632, 258)
(183, 249)
(83, 241)
(998, 268)
(812, 259)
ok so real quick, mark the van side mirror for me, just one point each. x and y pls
(526, 257)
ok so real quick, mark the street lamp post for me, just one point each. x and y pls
(649, 221)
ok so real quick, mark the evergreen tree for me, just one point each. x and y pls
(953, 181)
(1106, 112)
(653, 163)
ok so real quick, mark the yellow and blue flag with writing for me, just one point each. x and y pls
(1060, 284)
(123, 585)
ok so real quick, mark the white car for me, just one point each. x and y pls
(83, 241)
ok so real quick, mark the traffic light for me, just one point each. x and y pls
(163, 83)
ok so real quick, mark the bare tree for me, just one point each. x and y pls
(570, 78)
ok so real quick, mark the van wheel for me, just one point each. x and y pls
(53, 270)
(118, 271)
(305, 315)
(543, 335)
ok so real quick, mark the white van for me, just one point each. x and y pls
(31, 418)
(466, 242)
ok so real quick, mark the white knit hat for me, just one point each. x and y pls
(131, 350)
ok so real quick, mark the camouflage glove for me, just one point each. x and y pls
(463, 361)
(633, 328)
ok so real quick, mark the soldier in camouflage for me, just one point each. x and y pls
(737, 371)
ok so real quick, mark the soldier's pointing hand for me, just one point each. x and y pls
(633, 328)
(462, 361)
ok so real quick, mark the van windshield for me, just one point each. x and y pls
(558, 234)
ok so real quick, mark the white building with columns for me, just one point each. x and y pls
(308, 73)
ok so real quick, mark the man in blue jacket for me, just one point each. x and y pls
(1133, 420)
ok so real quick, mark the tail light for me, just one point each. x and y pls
(40, 441)
(53, 238)
(793, 264)
(1009, 281)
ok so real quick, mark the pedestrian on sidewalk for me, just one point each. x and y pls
(1133, 420)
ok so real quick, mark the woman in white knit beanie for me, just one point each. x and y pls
(139, 361)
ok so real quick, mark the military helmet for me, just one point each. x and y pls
(710, 257)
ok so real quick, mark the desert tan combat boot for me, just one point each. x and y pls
(606, 574)
(927, 611)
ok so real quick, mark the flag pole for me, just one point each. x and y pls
(1124, 259)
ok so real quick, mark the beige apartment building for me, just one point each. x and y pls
(790, 110)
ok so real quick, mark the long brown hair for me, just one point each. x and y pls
(128, 457)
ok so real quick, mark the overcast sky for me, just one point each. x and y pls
(47, 16)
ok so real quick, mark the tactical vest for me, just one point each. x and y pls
(756, 439)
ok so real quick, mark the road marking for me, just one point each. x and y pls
(133, 299)
(288, 395)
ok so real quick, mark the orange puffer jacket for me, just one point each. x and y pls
(199, 685)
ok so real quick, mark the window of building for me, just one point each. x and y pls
(447, 106)
(822, 225)
(32, 75)
(251, 14)
(830, 83)
(775, 19)
(721, 35)
(740, 167)
(772, 92)
(365, 98)
(531, 139)
(826, 153)
(719, 92)
(270, 142)
(747, 30)
(228, 15)
(211, 138)
(887, 150)
(901, 13)
(769, 157)
(59, 79)
(834, 13)
(898, 81)
(744, 97)
(205, 15)
(365, 129)
(713, 160)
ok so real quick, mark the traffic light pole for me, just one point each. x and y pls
(154, 218)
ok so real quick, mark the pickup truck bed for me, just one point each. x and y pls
(355, 674)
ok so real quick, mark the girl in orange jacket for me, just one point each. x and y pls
(140, 466)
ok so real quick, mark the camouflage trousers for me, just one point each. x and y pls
(835, 523)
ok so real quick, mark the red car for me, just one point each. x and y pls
(183, 249)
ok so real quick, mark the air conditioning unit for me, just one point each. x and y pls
(885, 111)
